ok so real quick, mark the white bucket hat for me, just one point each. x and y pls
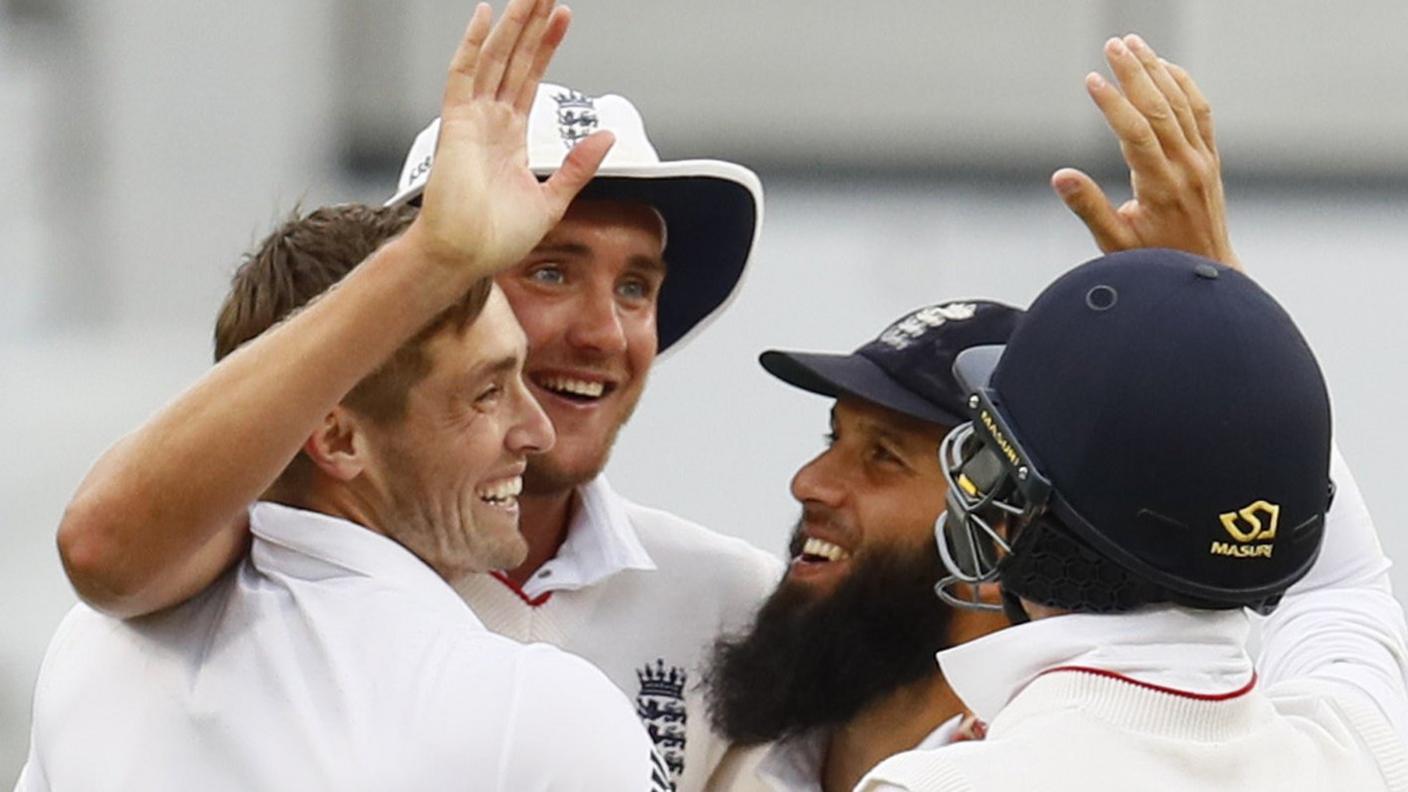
(713, 210)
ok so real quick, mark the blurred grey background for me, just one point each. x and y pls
(904, 146)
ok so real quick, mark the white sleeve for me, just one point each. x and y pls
(1341, 622)
(32, 775)
(574, 731)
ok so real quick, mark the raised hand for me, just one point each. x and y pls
(482, 203)
(1164, 126)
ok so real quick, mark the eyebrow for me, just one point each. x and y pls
(885, 433)
(645, 263)
(878, 430)
(490, 368)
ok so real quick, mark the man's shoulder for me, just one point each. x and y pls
(564, 701)
(1335, 712)
(929, 769)
(673, 540)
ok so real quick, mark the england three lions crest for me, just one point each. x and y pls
(576, 116)
(660, 706)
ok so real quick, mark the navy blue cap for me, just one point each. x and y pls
(1180, 417)
(908, 368)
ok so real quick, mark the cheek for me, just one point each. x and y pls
(905, 517)
(642, 341)
(479, 444)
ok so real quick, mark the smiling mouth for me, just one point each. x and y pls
(820, 551)
(575, 389)
(502, 494)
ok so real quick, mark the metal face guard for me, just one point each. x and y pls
(991, 482)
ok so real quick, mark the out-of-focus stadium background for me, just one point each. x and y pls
(904, 146)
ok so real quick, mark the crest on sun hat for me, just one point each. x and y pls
(713, 210)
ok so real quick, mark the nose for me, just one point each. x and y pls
(817, 481)
(531, 432)
(597, 323)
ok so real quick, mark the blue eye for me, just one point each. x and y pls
(550, 273)
(635, 290)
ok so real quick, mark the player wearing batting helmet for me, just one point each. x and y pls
(837, 672)
(1147, 459)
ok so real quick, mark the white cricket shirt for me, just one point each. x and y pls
(1168, 698)
(330, 659)
(642, 594)
(795, 764)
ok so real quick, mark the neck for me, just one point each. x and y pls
(897, 722)
(334, 500)
(543, 520)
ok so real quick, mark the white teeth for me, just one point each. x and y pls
(824, 549)
(502, 490)
(575, 386)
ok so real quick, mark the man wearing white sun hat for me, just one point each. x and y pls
(641, 593)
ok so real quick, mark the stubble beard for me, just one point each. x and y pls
(548, 476)
(447, 538)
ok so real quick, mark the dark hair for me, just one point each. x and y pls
(303, 258)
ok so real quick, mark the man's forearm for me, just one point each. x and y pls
(162, 513)
(172, 495)
(1341, 621)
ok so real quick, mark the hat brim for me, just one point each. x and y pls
(713, 211)
(974, 366)
(852, 375)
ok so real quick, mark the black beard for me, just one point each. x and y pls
(816, 660)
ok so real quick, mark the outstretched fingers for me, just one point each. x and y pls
(553, 34)
(1172, 92)
(1202, 110)
(525, 52)
(460, 82)
(1087, 201)
(499, 47)
(1141, 92)
(577, 169)
(1138, 141)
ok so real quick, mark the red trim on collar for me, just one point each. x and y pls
(1241, 691)
(532, 602)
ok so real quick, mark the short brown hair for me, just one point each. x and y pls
(303, 258)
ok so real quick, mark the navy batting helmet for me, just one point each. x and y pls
(1162, 413)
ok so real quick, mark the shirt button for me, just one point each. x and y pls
(545, 573)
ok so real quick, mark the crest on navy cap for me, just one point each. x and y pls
(911, 328)
(909, 366)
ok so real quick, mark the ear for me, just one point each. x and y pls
(338, 447)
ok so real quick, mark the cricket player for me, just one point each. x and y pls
(1147, 460)
(837, 672)
(647, 253)
(383, 426)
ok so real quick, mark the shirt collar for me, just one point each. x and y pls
(1197, 652)
(794, 764)
(600, 542)
(304, 544)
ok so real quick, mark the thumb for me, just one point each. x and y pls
(1084, 197)
(577, 169)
